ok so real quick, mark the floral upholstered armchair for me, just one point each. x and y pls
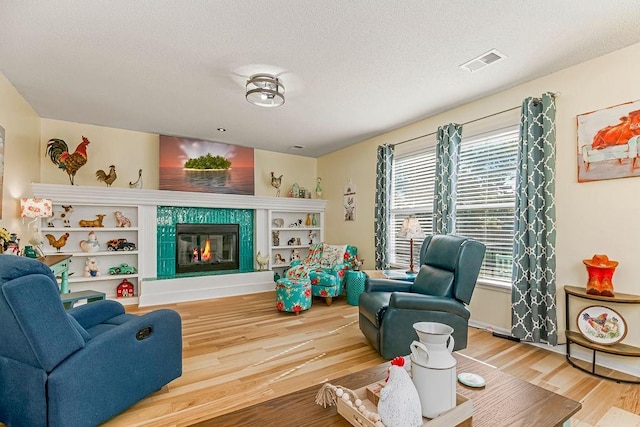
(325, 267)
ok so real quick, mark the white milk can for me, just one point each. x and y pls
(433, 368)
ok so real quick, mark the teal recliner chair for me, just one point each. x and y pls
(78, 367)
(449, 268)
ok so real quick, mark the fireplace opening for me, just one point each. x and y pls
(207, 247)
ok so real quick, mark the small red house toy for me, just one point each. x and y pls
(125, 289)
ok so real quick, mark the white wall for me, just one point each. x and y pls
(595, 217)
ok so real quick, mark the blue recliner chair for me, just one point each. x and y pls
(78, 367)
(449, 268)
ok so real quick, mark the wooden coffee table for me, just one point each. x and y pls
(504, 401)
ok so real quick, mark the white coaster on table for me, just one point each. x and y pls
(471, 380)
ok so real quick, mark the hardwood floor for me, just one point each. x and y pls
(238, 351)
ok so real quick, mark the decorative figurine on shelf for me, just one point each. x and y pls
(107, 178)
(262, 261)
(59, 242)
(314, 220)
(276, 182)
(275, 238)
(125, 289)
(91, 244)
(58, 152)
(312, 237)
(600, 270)
(91, 268)
(308, 222)
(295, 255)
(318, 188)
(61, 214)
(295, 190)
(278, 222)
(296, 224)
(137, 184)
(92, 222)
(121, 220)
(291, 241)
(279, 260)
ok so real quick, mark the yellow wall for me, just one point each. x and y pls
(127, 150)
(595, 217)
(21, 156)
(293, 168)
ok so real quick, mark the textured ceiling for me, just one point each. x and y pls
(352, 69)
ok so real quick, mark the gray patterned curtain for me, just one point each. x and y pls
(447, 164)
(383, 205)
(533, 298)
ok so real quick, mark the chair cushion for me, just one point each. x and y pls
(433, 281)
(332, 255)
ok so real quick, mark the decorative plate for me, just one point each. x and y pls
(278, 222)
(601, 325)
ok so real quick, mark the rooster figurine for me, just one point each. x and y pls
(58, 152)
(275, 183)
(107, 178)
(59, 242)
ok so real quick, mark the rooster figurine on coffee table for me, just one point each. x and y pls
(58, 152)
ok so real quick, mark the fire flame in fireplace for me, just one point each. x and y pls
(206, 251)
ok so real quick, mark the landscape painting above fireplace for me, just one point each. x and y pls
(233, 177)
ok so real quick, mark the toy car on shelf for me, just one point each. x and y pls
(123, 269)
(120, 245)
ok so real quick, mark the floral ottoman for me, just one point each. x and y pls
(293, 295)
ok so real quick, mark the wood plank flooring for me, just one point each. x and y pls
(238, 351)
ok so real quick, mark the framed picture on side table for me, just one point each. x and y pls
(601, 325)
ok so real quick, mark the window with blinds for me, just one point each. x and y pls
(413, 186)
(485, 198)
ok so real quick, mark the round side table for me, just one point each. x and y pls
(355, 286)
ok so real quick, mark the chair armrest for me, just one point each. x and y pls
(115, 348)
(89, 315)
(415, 301)
(116, 369)
(386, 285)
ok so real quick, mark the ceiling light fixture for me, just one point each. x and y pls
(265, 90)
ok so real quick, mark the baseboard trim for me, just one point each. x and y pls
(170, 291)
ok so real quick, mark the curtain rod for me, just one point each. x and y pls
(553, 94)
(465, 123)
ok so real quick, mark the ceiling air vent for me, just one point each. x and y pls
(482, 61)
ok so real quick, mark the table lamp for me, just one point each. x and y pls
(411, 230)
(35, 208)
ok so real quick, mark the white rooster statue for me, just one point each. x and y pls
(262, 261)
(399, 404)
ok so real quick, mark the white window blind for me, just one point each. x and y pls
(486, 197)
(412, 194)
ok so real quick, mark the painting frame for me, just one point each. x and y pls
(209, 174)
(601, 325)
(608, 142)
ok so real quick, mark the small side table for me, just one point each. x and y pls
(70, 298)
(391, 274)
(59, 265)
(355, 285)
